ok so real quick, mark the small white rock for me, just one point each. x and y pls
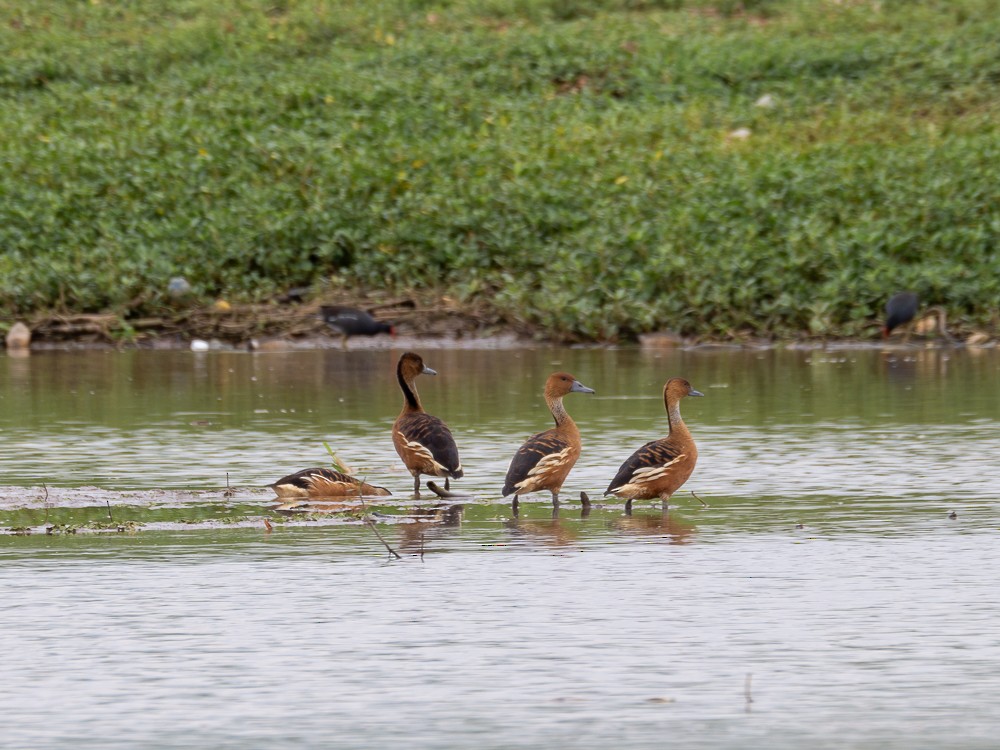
(199, 345)
(740, 134)
(765, 102)
(19, 336)
(178, 287)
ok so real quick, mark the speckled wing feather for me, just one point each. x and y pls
(323, 483)
(432, 434)
(531, 457)
(657, 453)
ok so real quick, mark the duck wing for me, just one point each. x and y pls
(539, 454)
(428, 436)
(323, 483)
(646, 463)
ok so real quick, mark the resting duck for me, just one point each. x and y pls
(899, 310)
(545, 460)
(324, 483)
(423, 442)
(659, 468)
(349, 321)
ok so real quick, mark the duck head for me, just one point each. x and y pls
(411, 364)
(561, 383)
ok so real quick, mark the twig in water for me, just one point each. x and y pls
(45, 502)
(268, 526)
(371, 524)
(392, 552)
(698, 498)
(421, 546)
(746, 689)
(110, 517)
(229, 490)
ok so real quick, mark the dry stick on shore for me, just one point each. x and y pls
(371, 524)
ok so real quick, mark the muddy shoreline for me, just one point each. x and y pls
(431, 322)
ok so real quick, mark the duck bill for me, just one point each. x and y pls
(695, 393)
(428, 371)
(579, 387)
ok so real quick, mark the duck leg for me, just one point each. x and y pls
(514, 505)
(343, 341)
(416, 485)
(628, 507)
(555, 499)
(447, 486)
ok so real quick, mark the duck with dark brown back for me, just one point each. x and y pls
(349, 321)
(899, 310)
(423, 441)
(324, 483)
(659, 468)
(545, 460)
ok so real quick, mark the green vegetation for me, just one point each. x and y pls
(573, 162)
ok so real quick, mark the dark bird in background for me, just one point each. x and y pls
(423, 441)
(349, 321)
(545, 459)
(899, 310)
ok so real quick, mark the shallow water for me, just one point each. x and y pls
(826, 565)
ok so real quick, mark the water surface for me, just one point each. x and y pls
(846, 559)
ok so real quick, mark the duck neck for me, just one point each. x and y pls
(411, 400)
(677, 427)
(563, 420)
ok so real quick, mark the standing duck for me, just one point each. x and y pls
(546, 458)
(659, 468)
(899, 310)
(348, 321)
(423, 442)
(324, 483)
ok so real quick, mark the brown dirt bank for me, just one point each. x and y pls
(284, 323)
(421, 320)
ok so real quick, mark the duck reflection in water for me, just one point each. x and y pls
(553, 532)
(674, 529)
(421, 524)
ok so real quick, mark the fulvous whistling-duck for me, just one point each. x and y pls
(324, 483)
(899, 310)
(423, 442)
(659, 468)
(348, 321)
(546, 458)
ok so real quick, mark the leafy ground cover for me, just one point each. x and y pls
(595, 168)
